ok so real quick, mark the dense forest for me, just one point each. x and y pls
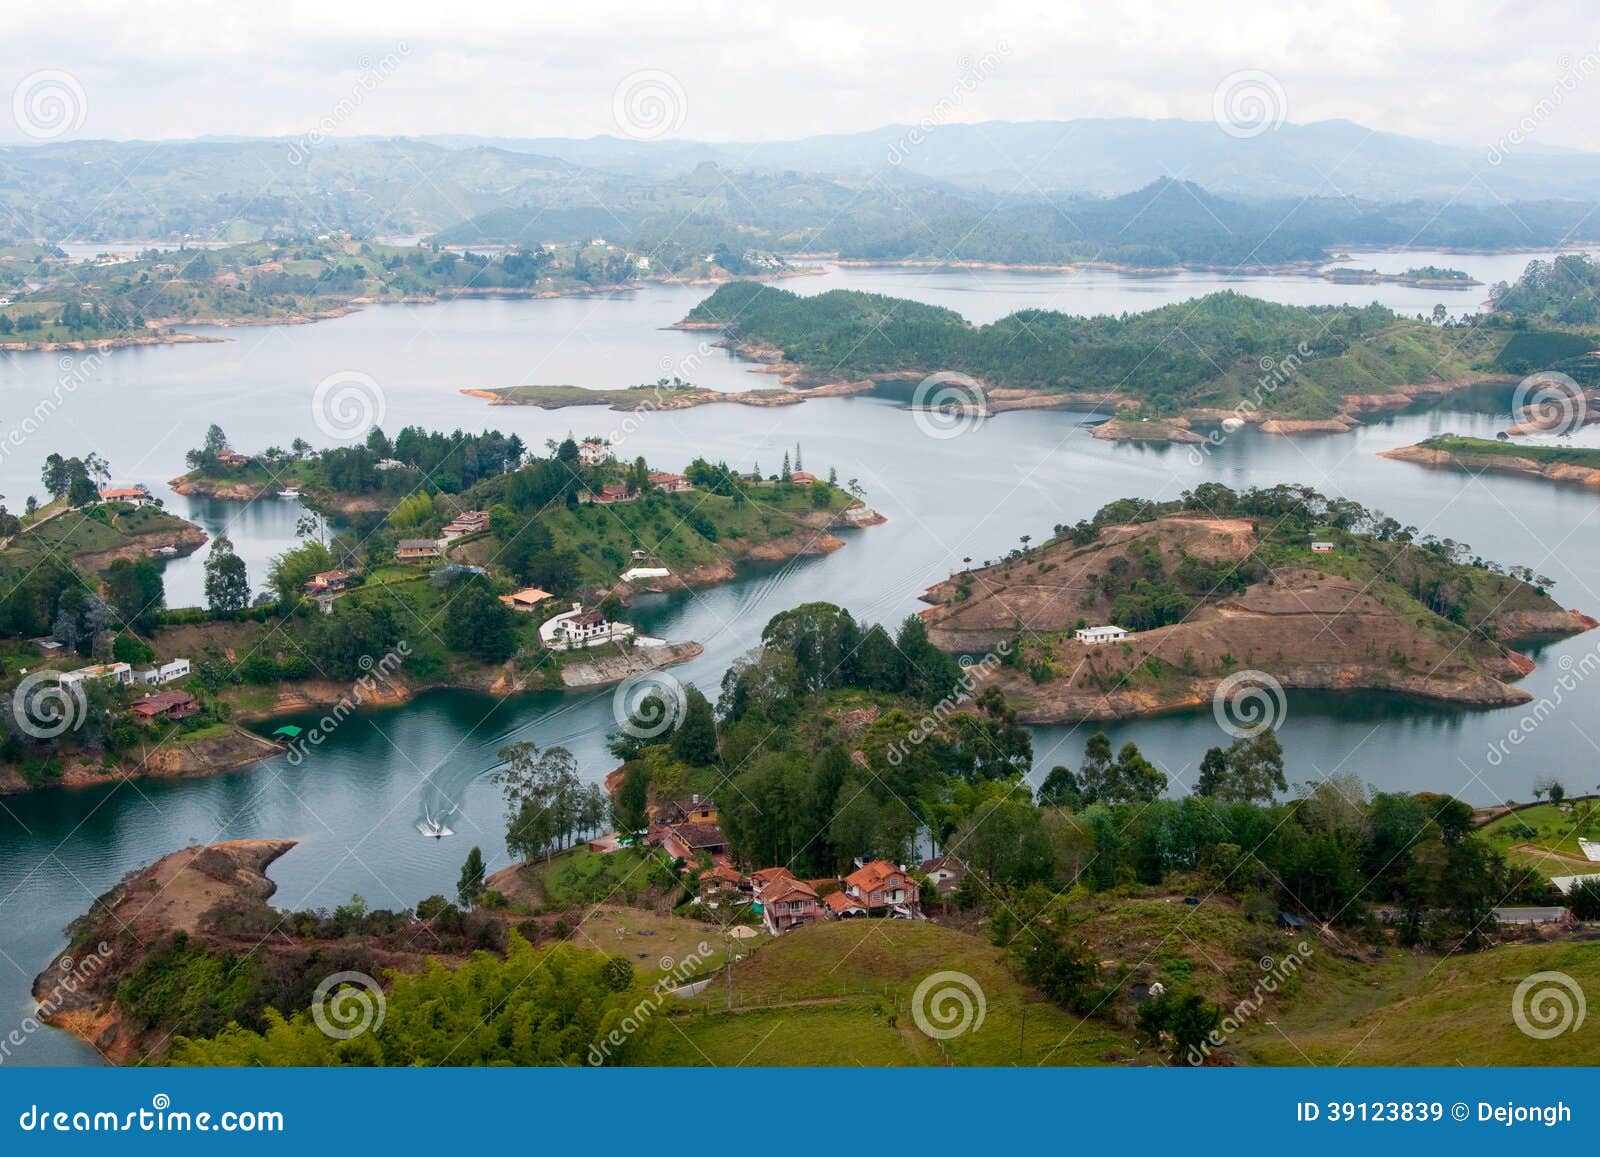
(1213, 351)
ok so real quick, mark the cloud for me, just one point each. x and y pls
(179, 68)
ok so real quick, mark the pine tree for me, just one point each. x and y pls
(470, 886)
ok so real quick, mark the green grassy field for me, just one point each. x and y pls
(1427, 1010)
(841, 994)
(1545, 838)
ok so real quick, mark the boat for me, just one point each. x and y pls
(289, 492)
(433, 827)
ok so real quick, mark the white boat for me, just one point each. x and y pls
(289, 492)
(433, 829)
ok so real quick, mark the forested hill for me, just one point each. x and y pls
(1209, 352)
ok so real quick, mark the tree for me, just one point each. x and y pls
(1134, 779)
(544, 798)
(288, 573)
(695, 739)
(480, 624)
(1060, 789)
(1251, 770)
(629, 808)
(135, 588)
(227, 585)
(82, 492)
(1187, 1018)
(470, 885)
(1094, 776)
(1213, 772)
(1552, 787)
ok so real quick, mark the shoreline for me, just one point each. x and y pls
(1559, 472)
(343, 307)
(812, 537)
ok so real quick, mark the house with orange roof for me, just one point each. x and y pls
(884, 889)
(787, 904)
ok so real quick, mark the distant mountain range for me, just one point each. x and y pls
(1140, 191)
(1109, 156)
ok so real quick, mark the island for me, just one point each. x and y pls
(1287, 370)
(1150, 607)
(1576, 465)
(427, 560)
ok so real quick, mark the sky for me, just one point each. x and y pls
(1459, 72)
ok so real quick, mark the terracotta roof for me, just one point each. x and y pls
(162, 701)
(840, 901)
(788, 889)
(871, 876)
(701, 835)
(766, 876)
(722, 872)
(948, 863)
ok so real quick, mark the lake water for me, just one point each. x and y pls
(354, 802)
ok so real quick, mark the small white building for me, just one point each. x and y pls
(176, 669)
(578, 628)
(638, 573)
(1096, 635)
(593, 451)
(117, 672)
(1322, 547)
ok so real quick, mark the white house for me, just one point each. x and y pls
(634, 574)
(1094, 635)
(578, 628)
(593, 451)
(118, 672)
(1322, 547)
(176, 669)
(148, 676)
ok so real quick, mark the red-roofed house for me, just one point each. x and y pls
(843, 906)
(671, 483)
(788, 903)
(884, 889)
